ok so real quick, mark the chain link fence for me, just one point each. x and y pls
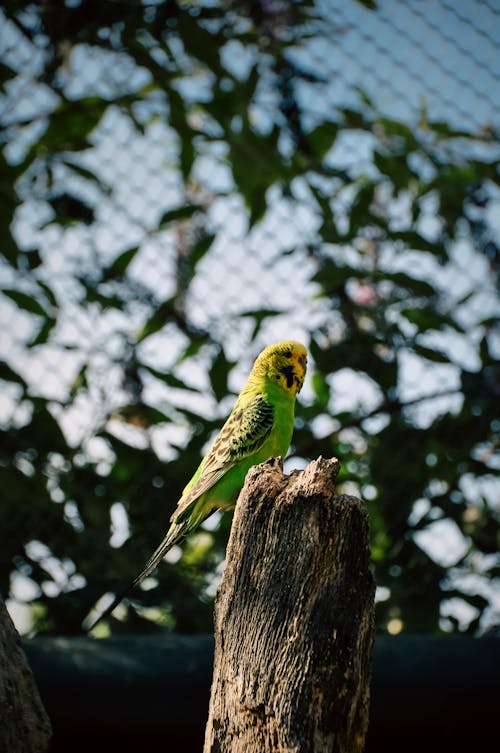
(441, 59)
(251, 284)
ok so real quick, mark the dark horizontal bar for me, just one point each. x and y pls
(427, 692)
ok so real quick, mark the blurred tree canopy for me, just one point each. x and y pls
(381, 255)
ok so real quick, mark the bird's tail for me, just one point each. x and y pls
(175, 533)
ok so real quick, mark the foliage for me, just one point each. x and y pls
(385, 238)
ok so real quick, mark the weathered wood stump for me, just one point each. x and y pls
(24, 724)
(293, 618)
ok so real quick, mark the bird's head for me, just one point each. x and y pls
(284, 363)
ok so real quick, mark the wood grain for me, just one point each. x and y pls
(293, 618)
(24, 724)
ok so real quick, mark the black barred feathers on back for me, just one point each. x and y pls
(254, 426)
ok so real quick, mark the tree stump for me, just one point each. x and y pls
(24, 724)
(294, 618)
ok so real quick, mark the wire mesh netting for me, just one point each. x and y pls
(149, 243)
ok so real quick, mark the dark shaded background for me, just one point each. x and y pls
(122, 693)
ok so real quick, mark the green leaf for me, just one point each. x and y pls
(6, 74)
(161, 75)
(202, 43)
(178, 120)
(43, 333)
(355, 119)
(9, 201)
(404, 281)
(328, 230)
(417, 242)
(119, 266)
(163, 314)
(489, 322)
(395, 167)
(259, 316)
(49, 293)
(401, 132)
(430, 354)
(476, 600)
(200, 248)
(83, 172)
(180, 213)
(444, 131)
(219, 373)
(10, 251)
(332, 277)
(359, 353)
(142, 415)
(9, 375)
(428, 319)
(187, 262)
(93, 295)
(257, 164)
(26, 302)
(321, 389)
(33, 258)
(68, 128)
(465, 298)
(322, 138)
(245, 90)
(43, 431)
(360, 214)
(169, 379)
(69, 209)
(80, 381)
(192, 349)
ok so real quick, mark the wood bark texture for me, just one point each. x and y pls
(24, 724)
(294, 618)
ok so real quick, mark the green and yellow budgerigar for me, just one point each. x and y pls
(260, 426)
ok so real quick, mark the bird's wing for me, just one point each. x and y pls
(244, 433)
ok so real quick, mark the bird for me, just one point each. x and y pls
(259, 427)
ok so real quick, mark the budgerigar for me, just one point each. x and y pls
(260, 426)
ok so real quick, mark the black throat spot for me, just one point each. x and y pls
(289, 374)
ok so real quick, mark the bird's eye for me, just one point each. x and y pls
(288, 354)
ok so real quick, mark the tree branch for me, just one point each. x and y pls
(25, 726)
